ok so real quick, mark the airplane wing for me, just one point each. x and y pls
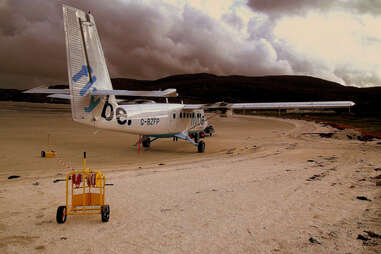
(165, 93)
(68, 97)
(293, 105)
(65, 94)
(274, 105)
(194, 106)
(60, 96)
(47, 90)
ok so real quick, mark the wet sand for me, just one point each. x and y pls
(262, 186)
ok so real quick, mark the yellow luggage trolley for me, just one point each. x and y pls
(85, 194)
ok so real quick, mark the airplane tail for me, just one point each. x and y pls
(86, 64)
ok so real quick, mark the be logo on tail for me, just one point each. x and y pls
(85, 72)
(108, 113)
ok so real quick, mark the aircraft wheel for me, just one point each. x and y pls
(61, 214)
(201, 147)
(105, 212)
(196, 138)
(146, 142)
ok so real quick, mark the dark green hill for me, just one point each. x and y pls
(207, 88)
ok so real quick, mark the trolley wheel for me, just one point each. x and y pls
(201, 147)
(42, 153)
(105, 212)
(61, 214)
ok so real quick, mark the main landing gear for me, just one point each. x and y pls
(146, 141)
(201, 146)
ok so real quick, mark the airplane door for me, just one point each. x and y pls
(173, 121)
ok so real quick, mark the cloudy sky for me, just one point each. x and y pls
(338, 40)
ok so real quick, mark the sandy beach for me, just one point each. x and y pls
(264, 185)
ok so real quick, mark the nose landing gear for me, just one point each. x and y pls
(146, 142)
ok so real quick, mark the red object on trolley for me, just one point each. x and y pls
(77, 179)
(91, 179)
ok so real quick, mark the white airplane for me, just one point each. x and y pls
(93, 100)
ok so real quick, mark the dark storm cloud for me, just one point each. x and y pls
(139, 41)
(32, 40)
(281, 8)
(363, 6)
(152, 40)
(278, 8)
(31, 43)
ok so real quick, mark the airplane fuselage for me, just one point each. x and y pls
(157, 119)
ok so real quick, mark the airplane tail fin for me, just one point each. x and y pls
(86, 64)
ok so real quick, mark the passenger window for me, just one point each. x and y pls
(181, 115)
(129, 122)
(174, 115)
